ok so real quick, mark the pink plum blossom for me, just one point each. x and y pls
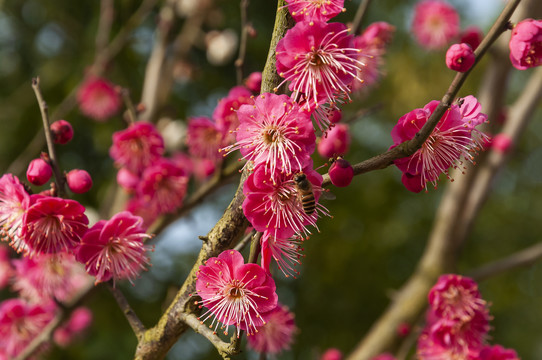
(79, 181)
(48, 276)
(225, 113)
(435, 23)
(335, 142)
(62, 132)
(137, 147)
(20, 323)
(275, 206)
(526, 44)
(53, 224)
(14, 200)
(98, 99)
(276, 334)
(275, 132)
(204, 138)
(286, 252)
(460, 57)
(315, 10)
(127, 180)
(472, 35)
(497, 352)
(454, 138)
(38, 172)
(114, 249)
(319, 60)
(163, 186)
(384, 356)
(235, 293)
(456, 297)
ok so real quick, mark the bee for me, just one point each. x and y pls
(305, 193)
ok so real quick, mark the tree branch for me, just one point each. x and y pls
(131, 316)
(358, 18)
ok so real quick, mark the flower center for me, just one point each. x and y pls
(271, 135)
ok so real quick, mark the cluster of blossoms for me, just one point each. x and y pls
(458, 323)
(454, 138)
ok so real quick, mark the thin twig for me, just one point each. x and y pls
(59, 178)
(358, 18)
(244, 241)
(104, 24)
(224, 348)
(131, 110)
(243, 43)
(131, 316)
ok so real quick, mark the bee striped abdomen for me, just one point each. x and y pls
(309, 203)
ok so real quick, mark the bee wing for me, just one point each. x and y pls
(327, 195)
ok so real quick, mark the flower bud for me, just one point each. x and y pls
(460, 57)
(39, 172)
(501, 143)
(341, 173)
(472, 36)
(79, 181)
(62, 132)
(127, 179)
(254, 82)
(335, 116)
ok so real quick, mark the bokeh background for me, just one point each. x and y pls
(378, 230)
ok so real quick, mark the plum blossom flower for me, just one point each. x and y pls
(286, 252)
(526, 44)
(204, 138)
(114, 249)
(235, 293)
(6, 269)
(332, 354)
(454, 138)
(460, 57)
(137, 147)
(52, 224)
(277, 334)
(275, 132)
(275, 206)
(319, 60)
(98, 99)
(456, 297)
(14, 200)
(48, 276)
(315, 10)
(21, 322)
(163, 186)
(225, 113)
(497, 352)
(435, 23)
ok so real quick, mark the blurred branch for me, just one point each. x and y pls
(104, 24)
(523, 258)
(409, 147)
(59, 178)
(243, 43)
(131, 316)
(131, 110)
(358, 18)
(158, 340)
(439, 254)
(244, 241)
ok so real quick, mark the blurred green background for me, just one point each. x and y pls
(378, 229)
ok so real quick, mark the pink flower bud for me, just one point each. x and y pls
(472, 35)
(335, 117)
(460, 57)
(62, 132)
(79, 181)
(336, 142)
(254, 82)
(403, 329)
(332, 354)
(341, 173)
(39, 172)
(501, 143)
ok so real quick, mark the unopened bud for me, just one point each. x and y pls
(341, 173)
(39, 172)
(79, 181)
(62, 132)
